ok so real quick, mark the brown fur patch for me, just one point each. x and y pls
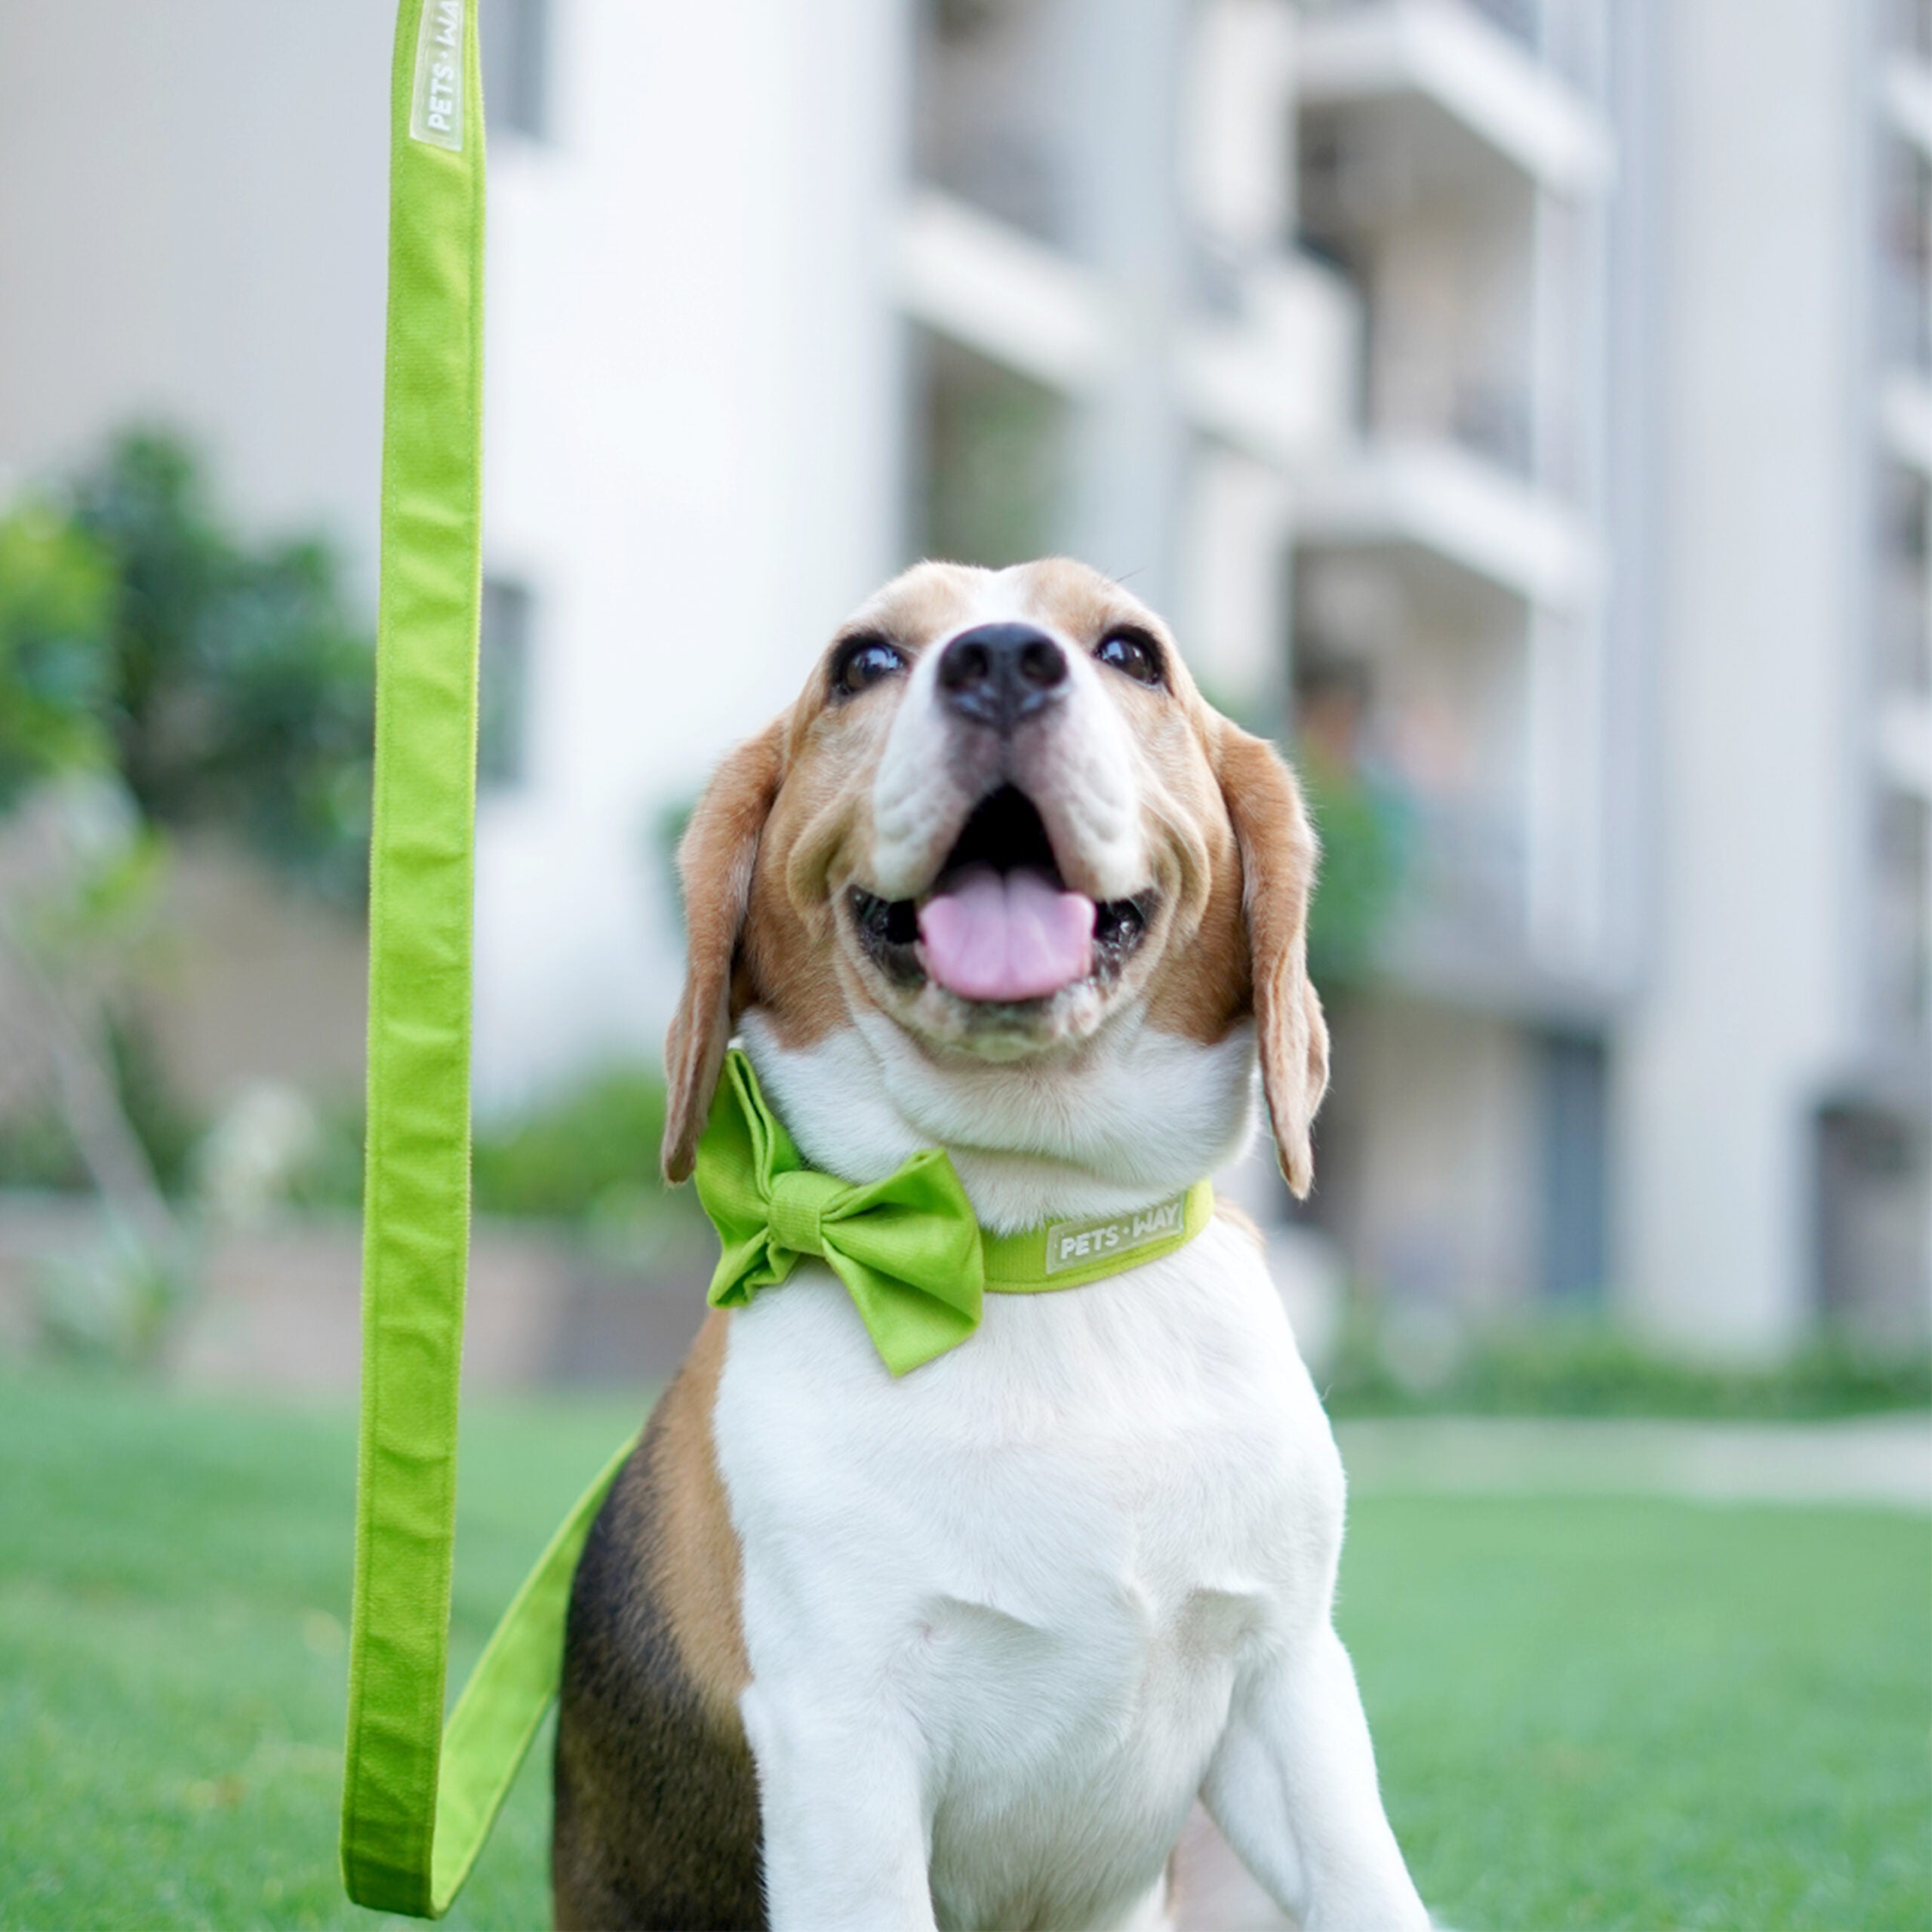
(1081, 602)
(657, 1818)
(1203, 986)
(695, 1568)
(716, 859)
(922, 604)
(1278, 857)
(773, 822)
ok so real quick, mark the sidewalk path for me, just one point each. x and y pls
(1875, 1460)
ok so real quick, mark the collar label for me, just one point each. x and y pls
(436, 110)
(1072, 1244)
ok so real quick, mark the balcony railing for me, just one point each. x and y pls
(1523, 20)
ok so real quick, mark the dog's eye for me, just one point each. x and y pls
(863, 663)
(1133, 652)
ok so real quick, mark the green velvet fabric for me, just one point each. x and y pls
(912, 1256)
(402, 1850)
(418, 1800)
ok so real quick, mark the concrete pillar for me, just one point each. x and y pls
(1746, 1011)
(1130, 443)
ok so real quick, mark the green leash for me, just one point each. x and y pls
(417, 1800)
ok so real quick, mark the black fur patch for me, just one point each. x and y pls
(657, 1825)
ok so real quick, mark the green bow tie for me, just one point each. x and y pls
(915, 1260)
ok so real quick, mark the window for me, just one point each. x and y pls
(1873, 1175)
(516, 36)
(503, 693)
(1574, 1142)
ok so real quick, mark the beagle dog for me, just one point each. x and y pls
(854, 1653)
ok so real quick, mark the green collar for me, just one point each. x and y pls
(915, 1260)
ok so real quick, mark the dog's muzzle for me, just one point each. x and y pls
(999, 925)
(999, 675)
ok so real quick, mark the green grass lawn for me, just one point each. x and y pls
(1596, 1713)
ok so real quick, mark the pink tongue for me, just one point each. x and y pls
(1006, 936)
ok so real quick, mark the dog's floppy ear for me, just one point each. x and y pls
(1278, 858)
(715, 861)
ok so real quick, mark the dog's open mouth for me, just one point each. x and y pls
(999, 924)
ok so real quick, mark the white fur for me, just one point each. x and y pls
(1080, 764)
(1061, 1136)
(1007, 1615)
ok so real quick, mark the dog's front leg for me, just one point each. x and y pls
(1293, 1787)
(839, 1795)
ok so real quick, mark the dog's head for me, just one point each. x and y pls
(1000, 817)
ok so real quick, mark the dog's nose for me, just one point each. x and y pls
(999, 674)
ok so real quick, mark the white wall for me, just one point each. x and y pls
(192, 216)
(1746, 1018)
(1434, 1184)
(692, 390)
(693, 440)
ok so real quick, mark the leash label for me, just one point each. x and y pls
(436, 115)
(1077, 1244)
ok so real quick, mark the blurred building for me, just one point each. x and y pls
(1774, 1073)
(1515, 409)
(1525, 405)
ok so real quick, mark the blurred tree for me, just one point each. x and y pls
(75, 874)
(55, 591)
(156, 672)
(1359, 823)
(1360, 873)
(77, 878)
(239, 692)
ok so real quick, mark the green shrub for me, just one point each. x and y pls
(206, 680)
(561, 1160)
(586, 1156)
(238, 691)
(1581, 1366)
(1361, 871)
(38, 1151)
(56, 598)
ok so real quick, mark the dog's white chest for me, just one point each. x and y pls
(1045, 1554)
